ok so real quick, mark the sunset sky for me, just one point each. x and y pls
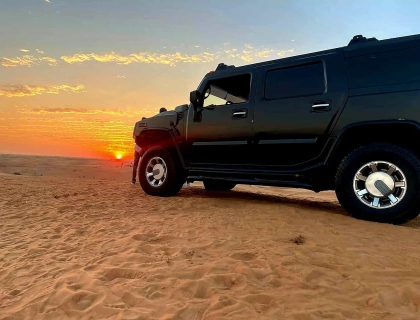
(75, 75)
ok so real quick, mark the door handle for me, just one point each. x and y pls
(320, 106)
(240, 114)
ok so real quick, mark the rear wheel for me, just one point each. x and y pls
(160, 173)
(380, 182)
(218, 185)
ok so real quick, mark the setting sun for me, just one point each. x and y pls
(118, 156)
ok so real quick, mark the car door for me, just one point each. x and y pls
(223, 133)
(297, 103)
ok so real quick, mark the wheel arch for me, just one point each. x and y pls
(161, 137)
(400, 132)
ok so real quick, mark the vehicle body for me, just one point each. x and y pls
(298, 122)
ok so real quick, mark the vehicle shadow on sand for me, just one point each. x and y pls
(314, 204)
(260, 197)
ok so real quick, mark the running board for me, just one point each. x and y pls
(255, 181)
(248, 170)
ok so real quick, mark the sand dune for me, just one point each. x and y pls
(78, 241)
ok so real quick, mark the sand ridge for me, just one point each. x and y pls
(78, 241)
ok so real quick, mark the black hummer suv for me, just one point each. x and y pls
(346, 119)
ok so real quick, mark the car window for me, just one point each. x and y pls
(296, 81)
(228, 90)
(384, 68)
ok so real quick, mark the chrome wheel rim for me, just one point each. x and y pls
(380, 184)
(156, 171)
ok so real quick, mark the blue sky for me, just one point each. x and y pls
(127, 25)
(136, 56)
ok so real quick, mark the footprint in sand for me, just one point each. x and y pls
(74, 287)
(143, 236)
(120, 273)
(81, 300)
(228, 281)
(263, 299)
(244, 255)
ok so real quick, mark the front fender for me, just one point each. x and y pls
(163, 137)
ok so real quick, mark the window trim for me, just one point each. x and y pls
(320, 61)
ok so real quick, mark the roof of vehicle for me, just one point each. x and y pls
(359, 45)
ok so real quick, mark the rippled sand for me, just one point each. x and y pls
(78, 241)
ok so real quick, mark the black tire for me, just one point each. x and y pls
(218, 185)
(175, 177)
(409, 206)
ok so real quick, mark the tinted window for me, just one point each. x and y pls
(304, 80)
(385, 68)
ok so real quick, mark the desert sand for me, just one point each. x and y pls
(79, 241)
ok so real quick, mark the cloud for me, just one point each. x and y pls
(173, 59)
(264, 53)
(283, 52)
(24, 90)
(231, 53)
(74, 114)
(248, 54)
(251, 53)
(24, 50)
(48, 1)
(246, 58)
(27, 61)
(69, 110)
(143, 57)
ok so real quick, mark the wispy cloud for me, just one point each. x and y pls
(142, 57)
(77, 111)
(282, 53)
(264, 53)
(231, 52)
(248, 54)
(24, 90)
(251, 53)
(24, 50)
(27, 61)
(74, 112)
(48, 1)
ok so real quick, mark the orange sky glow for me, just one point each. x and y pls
(94, 112)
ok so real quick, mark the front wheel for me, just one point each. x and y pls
(380, 182)
(160, 174)
(218, 185)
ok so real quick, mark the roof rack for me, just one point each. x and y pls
(222, 66)
(358, 39)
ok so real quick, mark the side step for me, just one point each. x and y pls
(255, 181)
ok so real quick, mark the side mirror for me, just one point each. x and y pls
(195, 98)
